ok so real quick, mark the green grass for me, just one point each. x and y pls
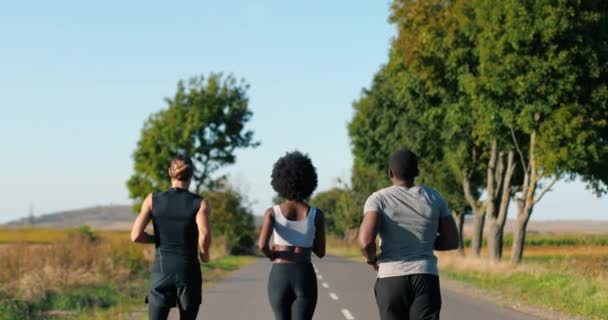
(218, 269)
(571, 294)
(570, 277)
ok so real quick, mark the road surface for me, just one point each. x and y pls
(345, 293)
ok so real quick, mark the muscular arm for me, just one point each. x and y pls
(319, 245)
(204, 230)
(138, 231)
(264, 238)
(448, 234)
(367, 236)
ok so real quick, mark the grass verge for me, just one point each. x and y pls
(555, 275)
(555, 289)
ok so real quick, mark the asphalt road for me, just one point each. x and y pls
(345, 293)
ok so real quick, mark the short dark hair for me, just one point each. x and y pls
(404, 164)
(294, 177)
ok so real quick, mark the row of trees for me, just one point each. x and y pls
(206, 120)
(499, 99)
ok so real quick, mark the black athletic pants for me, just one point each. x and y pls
(411, 297)
(292, 291)
(162, 313)
(181, 290)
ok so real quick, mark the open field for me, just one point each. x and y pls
(565, 273)
(51, 235)
(80, 274)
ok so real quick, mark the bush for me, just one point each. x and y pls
(230, 218)
(83, 233)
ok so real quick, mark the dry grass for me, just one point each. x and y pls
(70, 273)
(31, 270)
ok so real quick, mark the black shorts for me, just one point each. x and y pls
(411, 297)
(183, 290)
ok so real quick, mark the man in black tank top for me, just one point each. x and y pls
(181, 229)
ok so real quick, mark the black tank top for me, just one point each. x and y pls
(176, 233)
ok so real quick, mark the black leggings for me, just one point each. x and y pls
(292, 291)
(162, 313)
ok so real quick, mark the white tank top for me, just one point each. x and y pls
(299, 233)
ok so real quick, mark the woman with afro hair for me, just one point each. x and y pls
(298, 230)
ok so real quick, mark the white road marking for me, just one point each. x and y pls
(347, 314)
(333, 296)
(319, 277)
(325, 285)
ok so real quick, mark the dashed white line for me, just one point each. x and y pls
(333, 296)
(320, 277)
(347, 314)
(325, 285)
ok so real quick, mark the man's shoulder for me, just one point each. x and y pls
(385, 190)
(431, 193)
(427, 189)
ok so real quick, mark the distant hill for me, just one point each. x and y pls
(121, 217)
(112, 217)
(552, 226)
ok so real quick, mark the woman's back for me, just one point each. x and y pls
(297, 232)
(176, 233)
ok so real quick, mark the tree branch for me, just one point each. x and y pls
(521, 154)
(546, 189)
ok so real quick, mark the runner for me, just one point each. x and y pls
(181, 228)
(411, 221)
(298, 230)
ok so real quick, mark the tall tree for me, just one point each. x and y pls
(545, 63)
(435, 43)
(206, 120)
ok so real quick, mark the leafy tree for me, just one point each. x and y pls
(205, 119)
(328, 202)
(546, 64)
(416, 100)
(231, 218)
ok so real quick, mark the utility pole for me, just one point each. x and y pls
(31, 219)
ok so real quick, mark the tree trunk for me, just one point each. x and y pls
(526, 202)
(498, 205)
(479, 219)
(519, 237)
(459, 217)
(495, 233)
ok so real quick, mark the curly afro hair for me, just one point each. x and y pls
(294, 177)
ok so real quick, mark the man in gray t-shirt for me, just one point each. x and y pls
(412, 221)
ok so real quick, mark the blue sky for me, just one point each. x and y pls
(78, 79)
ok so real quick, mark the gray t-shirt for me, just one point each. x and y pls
(409, 220)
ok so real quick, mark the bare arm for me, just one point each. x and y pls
(448, 234)
(138, 231)
(319, 245)
(264, 238)
(367, 236)
(204, 230)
